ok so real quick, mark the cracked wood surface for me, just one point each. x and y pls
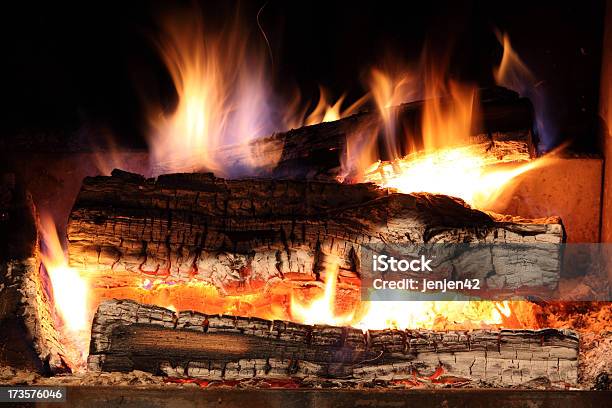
(504, 130)
(127, 336)
(28, 337)
(242, 235)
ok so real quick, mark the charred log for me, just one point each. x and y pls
(504, 129)
(128, 336)
(251, 233)
(28, 337)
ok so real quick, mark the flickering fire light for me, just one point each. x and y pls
(223, 99)
(461, 172)
(71, 293)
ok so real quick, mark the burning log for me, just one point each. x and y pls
(241, 235)
(28, 337)
(130, 336)
(504, 131)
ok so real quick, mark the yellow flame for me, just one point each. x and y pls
(443, 161)
(447, 122)
(322, 309)
(222, 99)
(464, 172)
(325, 111)
(398, 314)
(70, 289)
(70, 293)
(431, 314)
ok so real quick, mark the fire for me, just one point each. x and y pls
(379, 315)
(463, 172)
(197, 296)
(433, 315)
(388, 91)
(512, 71)
(321, 309)
(325, 111)
(330, 303)
(223, 99)
(448, 112)
(70, 292)
(444, 162)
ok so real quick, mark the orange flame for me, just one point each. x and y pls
(432, 314)
(463, 172)
(389, 91)
(70, 291)
(446, 163)
(321, 310)
(512, 71)
(447, 122)
(325, 111)
(222, 99)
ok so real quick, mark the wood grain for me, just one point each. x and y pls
(128, 336)
(244, 235)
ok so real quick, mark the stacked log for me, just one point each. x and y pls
(237, 234)
(129, 336)
(503, 129)
(28, 336)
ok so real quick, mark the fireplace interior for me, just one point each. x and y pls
(191, 194)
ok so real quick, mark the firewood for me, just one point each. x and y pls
(28, 336)
(503, 128)
(253, 232)
(130, 336)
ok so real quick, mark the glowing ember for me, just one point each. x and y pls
(465, 172)
(321, 310)
(332, 304)
(433, 314)
(438, 315)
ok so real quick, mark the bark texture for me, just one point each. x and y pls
(241, 235)
(127, 336)
(28, 337)
(503, 127)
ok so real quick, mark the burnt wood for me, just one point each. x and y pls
(316, 151)
(130, 336)
(28, 337)
(242, 235)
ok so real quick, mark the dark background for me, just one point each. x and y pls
(70, 66)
